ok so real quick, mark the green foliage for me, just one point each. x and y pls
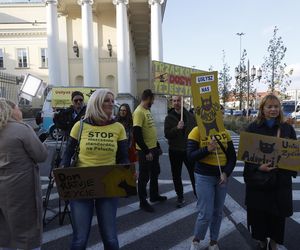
(224, 81)
(241, 83)
(273, 68)
(237, 123)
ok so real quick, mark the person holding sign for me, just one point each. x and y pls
(102, 142)
(21, 209)
(215, 159)
(178, 124)
(269, 203)
(145, 135)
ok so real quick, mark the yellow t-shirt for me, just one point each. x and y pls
(98, 144)
(143, 118)
(211, 158)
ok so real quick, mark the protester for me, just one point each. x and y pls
(177, 131)
(211, 186)
(20, 190)
(66, 118)
(269, 205)
(124, 117)
(97, 121)
(145, 135)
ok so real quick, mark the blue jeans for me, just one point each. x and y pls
(211, 197)
(82, 213)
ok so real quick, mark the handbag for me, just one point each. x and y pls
(74, 158)
(260, 179)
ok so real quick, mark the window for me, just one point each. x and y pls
(44, 58)
(1, 58)
(22, 58)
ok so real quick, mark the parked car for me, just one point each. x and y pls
(227, 112)
(254, 113)
(237, 112)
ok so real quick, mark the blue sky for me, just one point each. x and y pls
(195, 32)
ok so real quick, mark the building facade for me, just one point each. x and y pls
(103, 43)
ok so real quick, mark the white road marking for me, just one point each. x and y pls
(151, 226)
(63, 231)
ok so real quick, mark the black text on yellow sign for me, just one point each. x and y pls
(260, 149)
(170, 79)
(206, 103)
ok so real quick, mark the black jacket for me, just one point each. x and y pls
(279, 200)
(177, 138)
(64, 118)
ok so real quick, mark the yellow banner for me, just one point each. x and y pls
(95, 182)
(207, 104)
(280, 152)
(61, 97)
(170, 79)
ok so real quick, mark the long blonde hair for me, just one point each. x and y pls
(261, 116)
(94, 109)
(6, 107)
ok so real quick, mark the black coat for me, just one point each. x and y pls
(277, 201)
(177, 138)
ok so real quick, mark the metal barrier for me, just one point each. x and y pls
(9, 86)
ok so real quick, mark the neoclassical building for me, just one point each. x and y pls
(106, 43)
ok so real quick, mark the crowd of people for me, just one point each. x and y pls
(209, 162)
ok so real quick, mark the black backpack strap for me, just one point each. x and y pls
(221, 145)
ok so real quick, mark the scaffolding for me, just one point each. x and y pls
(9, 86)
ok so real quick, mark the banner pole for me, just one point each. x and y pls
(218, 162)
(181, 111)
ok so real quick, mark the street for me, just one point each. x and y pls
(169, 227)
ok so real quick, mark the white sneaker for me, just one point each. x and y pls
(213, 247)
(195, 245)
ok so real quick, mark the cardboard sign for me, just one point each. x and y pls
(260, 149)
(61, 97)
(95, 182)
(207, 104)
(170, 79)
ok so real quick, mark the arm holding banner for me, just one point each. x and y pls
(171, 127)
(122, 152)
(195, 153)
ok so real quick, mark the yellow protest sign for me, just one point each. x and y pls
(61, 96)
(280, 152)
(207, 104)
(170, 79)
(95, 182)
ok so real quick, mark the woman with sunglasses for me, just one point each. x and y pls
(65, 119)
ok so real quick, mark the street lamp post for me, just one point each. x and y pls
(245, 75)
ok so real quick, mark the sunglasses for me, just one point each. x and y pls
(78, 100)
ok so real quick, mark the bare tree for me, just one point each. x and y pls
(241, 83)
(224, 81)
(273, 68)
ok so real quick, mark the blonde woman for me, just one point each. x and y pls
(20, 190)
(269, 205)
(98, 122)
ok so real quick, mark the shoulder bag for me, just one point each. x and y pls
(74, 158)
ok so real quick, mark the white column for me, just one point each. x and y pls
(122, 47)
(156, 30)
(90, 58)
(53, 45)
(63, 47)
